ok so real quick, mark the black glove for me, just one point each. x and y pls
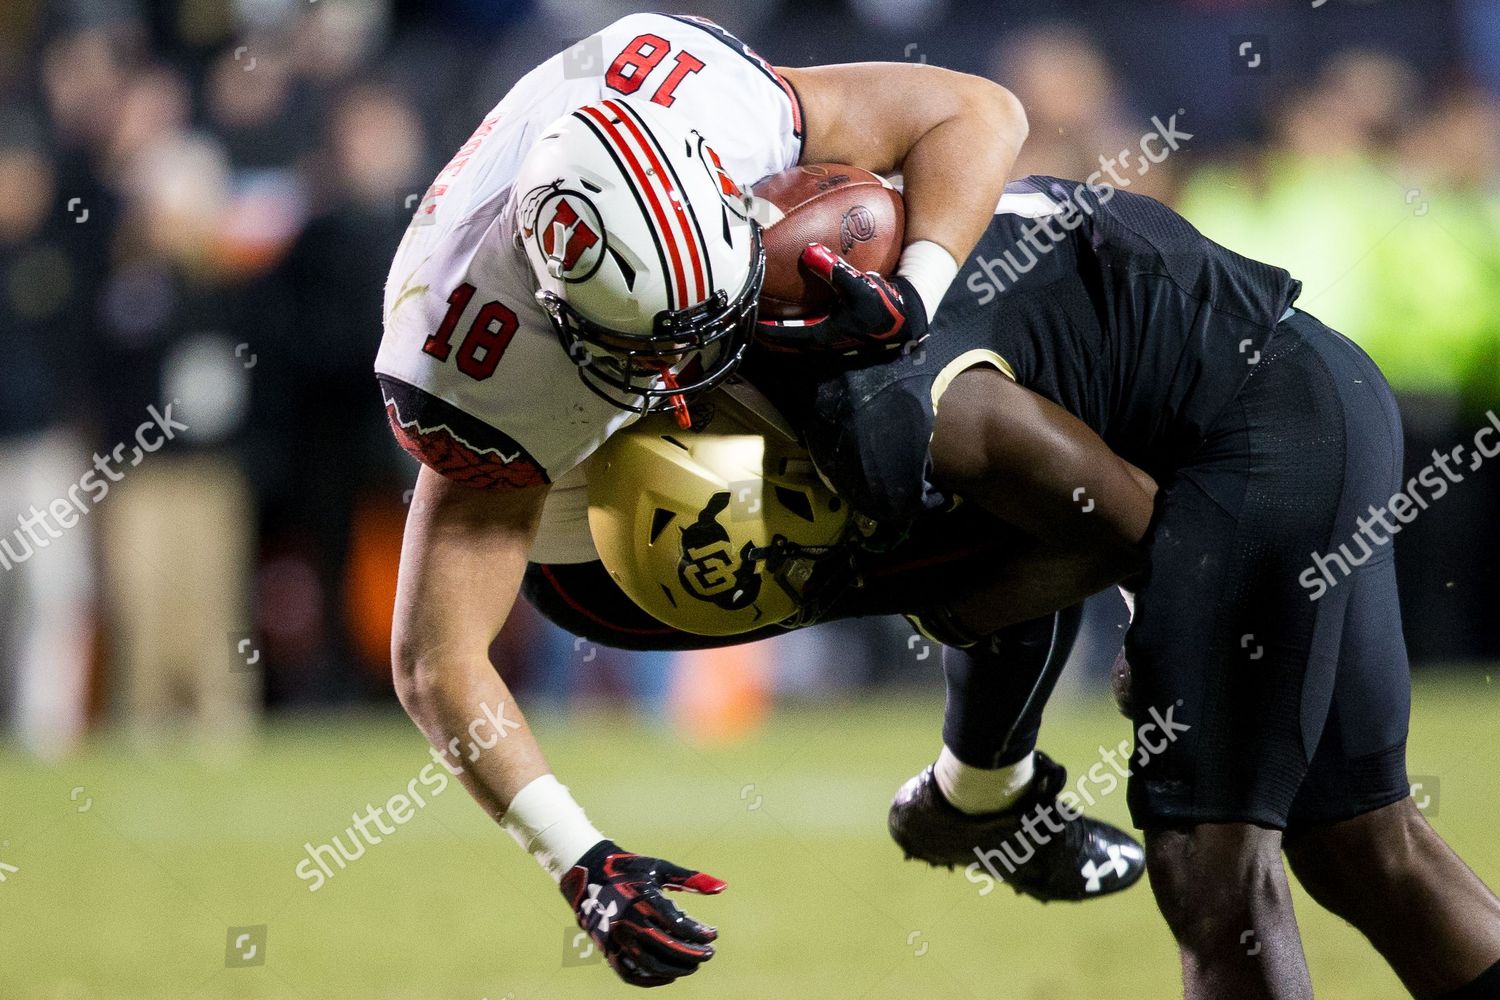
(617, 897)
(873, 315)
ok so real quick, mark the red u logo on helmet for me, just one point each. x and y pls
(576, 235)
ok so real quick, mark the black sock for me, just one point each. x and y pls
(997, 689)
(1486, 987)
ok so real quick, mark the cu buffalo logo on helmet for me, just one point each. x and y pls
(710, 569)
(568, 230)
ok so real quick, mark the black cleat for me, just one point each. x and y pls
(1056, 858)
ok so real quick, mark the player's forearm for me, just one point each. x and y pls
(1069, 561)
(466, 712)
(1039, 582)
(952, 136)
(955, 173)
(463, 558)
(470, 719)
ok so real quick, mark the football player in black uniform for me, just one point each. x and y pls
(1094, 333)
(1094, 346)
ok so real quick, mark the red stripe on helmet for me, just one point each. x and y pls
(642, 179)
(664, 175)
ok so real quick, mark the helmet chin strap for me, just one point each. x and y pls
(555, 258)
(679, 403)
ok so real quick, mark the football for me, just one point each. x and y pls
(857, 214)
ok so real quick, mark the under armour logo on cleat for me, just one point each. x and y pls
(1092, 872)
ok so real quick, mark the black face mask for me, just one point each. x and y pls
(716, 333)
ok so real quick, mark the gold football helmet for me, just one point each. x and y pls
(714, 530)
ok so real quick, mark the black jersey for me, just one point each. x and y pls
(1108, 303)
(1113, 306)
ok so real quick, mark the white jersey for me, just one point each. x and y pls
(475, 381)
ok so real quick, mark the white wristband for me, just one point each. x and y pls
(549, 825)
(930, 269)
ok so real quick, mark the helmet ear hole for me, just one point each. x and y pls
(796, 502)
(628, 271)
(659, 521)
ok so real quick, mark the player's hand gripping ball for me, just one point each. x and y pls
(870, 315)
(832, 231)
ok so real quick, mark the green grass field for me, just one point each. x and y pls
(127, 891)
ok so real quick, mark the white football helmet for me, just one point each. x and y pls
(644, 252)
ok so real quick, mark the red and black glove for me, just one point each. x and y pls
(618, 899)
(872, 315)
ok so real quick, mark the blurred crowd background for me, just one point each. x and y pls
(199, 200)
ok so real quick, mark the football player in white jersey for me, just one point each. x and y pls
(586, 257)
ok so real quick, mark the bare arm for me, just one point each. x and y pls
(954, 137)
(462, 560)
(1034, 465)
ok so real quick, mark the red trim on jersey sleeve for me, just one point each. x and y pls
(455, 444)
